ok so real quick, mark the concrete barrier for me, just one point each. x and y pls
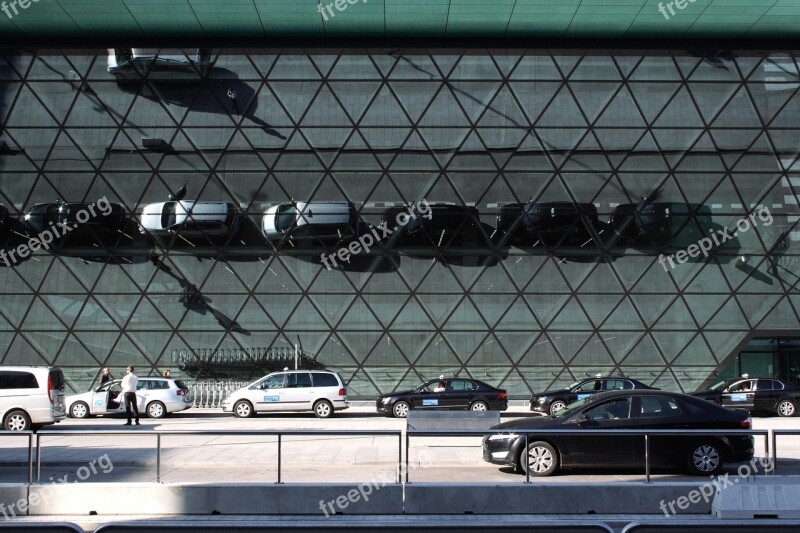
(758, 497)
(549, 498)
(201, 499)
(11, 496)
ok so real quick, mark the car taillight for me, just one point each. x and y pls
(342, 392)
(180, 392)
(50, 388)
(746, 423)
(501, 396)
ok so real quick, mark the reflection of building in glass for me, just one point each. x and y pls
(665, 149)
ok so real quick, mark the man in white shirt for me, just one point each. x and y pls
(128, 384)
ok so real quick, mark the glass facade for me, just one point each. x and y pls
(690, 160)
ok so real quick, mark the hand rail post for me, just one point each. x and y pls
(158, 457)
(30, 458)
(646, 458)
(38, 459)
(774, 453)
(400, 458)
(527, 461)
(408, 451)
(279, 458)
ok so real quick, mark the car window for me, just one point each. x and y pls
(298, 380)
(613, 410)
(273, 382)
(593, 385)
(777, 385)
(159, 384)
(324, 380)
(11, 379)
(427, 387)
(142, 385)
(614, 384)
(658, 406)
(741, 386)
(459, 385)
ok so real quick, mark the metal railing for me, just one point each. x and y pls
(246, 432)
(584, 432)
(29, 434)
(775, 434)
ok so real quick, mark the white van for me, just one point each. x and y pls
(31, 396)
(292, 390)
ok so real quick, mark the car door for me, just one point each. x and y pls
(660, 412)
(266, 394)
(766, 394)
(426, 399)
(587, 389)
(458, 394)
(297, 393)
(102, 398)
(739, 395)
(602, 450)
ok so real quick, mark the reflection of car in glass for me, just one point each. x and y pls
(310, 221)
(628, 409)
(41, 216)
(546, 216)
(458, 394)
(319, 391)
(549, 402)
(5, 221)
(754, 395)
(190, 218)
(166, 65)
(157, 397)
(660, 220)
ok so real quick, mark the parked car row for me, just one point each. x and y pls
(339, 221)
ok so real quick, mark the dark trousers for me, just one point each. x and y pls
(130, 402)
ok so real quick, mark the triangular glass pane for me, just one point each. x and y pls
(571, 318)
(439, 358)
(680, 112)
(354, 96)
(94, 317)
(325, 111)
(546, 306)
(650, 308)
(14, 307)
(646, 156)
(655, 280)
(547, 279)
(652, 97)
(593, 98)
(354, 67)
(414, 96)
(593, 353)
(412, 67)
(140, 349)
(440, 306)
(475, 67)
(595, 67)
(358, 316)
(702, 306)
(294, 66)
(385, 306)
(643, 354)
(53, 315)
(495, 280)
(536, 67)
(656, 67)
(621, 112)
(412, 317)
(306, 316)
(516, 382)
(279, 306)
(728, 317)
(534, 96)
(712, 97)
(88, 350)
(444, 111)
(476, 347)
(28, 111)
(676, 317)
(32, 348)
(413, 271)
(672, 343)
(503, 111)
(599, 306)
(563, 111)
(623, 316)
(295, 96)
(252, 316)
(543, 353)
(782, 316)
(738, 113)
(757, 305)
(494, 306)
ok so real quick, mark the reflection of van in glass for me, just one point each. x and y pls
(310, 221)
(190, 218)
(31, 396)
(319, 391)
(660, 220)
(159, 64)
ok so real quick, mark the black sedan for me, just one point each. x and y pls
(444, 394)
(549, 402)
(108, 217)
(754, 395)
(631, 409)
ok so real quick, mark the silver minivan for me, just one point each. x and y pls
(191, 218)
(31, 396)
(320, 391)
(308, 221)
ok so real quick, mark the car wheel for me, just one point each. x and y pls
(243, 409)
(323, 409)
(556, 406)
(479, 406)
(156, 410)
(79, 410)
(17, 421)
(541, 459)
(786, 408)
(705, 459)
(400, 409)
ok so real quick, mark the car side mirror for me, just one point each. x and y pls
(582, 420)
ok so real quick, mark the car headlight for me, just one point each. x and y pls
(384, 401)
(508, 436)
(542, 400)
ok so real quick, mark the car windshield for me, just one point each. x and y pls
(168, 215)
(285, 217)
(573, 385)
(571, 408)
(721, 385)
(427, 387)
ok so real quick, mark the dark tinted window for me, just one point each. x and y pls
(57, 378)
(658, 406)
(325, 380)
(618, 384)
(301, 379)
(614, 409)
(10, 379)
(462, 385)
(159, 385)
(181, 385)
